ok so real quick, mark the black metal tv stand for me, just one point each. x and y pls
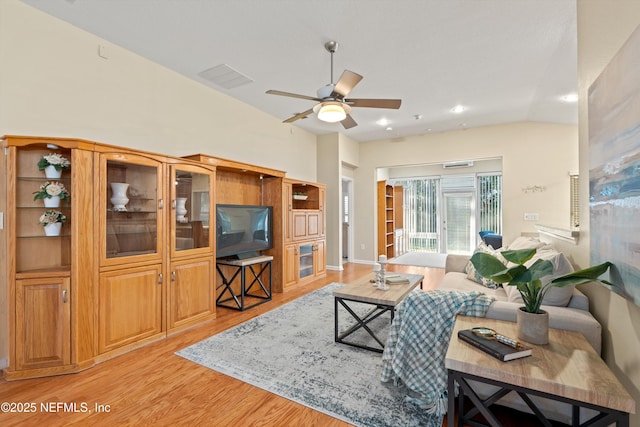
(234, 295)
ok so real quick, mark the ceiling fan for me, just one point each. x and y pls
(333, 106)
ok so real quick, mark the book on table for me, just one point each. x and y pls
(493, 347)
(396, 280)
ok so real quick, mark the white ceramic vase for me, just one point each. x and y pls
(533, 327)
(53, 229)
(181, 209)
(119, 198)
(52, 202)
(51, 172)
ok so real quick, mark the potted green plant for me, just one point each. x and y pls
(53, 164)
(529, 284)
(52, 222)
(51, 193)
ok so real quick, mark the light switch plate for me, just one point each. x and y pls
(531, 217)
(1, 220)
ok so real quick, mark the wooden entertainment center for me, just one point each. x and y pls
(119, 276)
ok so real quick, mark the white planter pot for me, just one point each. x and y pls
(52, 202)
(533, 327)
(119, 198)
(52, 172)
(53, 229)
(181, 209)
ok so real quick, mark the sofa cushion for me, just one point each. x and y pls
(472, 274)
(459, 282)
(555, 296)
(523, 242)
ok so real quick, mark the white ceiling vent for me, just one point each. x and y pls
(462, 164)
(225, 76)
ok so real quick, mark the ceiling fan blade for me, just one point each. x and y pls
(299, 116)
(347, 81)
(293, 95)
(348, 122)
(374, 103)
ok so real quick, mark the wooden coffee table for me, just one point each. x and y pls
(363, 291)
(567, 370)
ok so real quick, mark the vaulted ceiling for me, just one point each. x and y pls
(502, 60)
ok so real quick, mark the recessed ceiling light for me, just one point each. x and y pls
(383, 122)
(458, 109)
(571, 97)
(388, 128)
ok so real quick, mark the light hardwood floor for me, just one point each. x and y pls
(153, 386)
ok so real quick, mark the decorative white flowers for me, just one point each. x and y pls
(51, 217)
(51, 189)
(54, 159)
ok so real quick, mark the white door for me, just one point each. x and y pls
(458, 222)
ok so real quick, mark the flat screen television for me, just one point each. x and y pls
(243, 230)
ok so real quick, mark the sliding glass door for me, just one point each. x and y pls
(459, 222)
(444, 213)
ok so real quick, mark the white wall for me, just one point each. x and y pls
(603, 27)
(532, 154)
(53, 83)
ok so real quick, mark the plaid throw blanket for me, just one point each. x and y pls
(417, 343)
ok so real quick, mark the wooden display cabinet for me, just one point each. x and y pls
(299, 246)
(191, 287)
(131, 228)
(47, 278)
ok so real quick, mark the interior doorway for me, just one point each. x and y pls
(347, 219)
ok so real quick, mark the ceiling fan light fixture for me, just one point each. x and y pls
(331, 111)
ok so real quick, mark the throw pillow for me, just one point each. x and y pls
(555, 296)
(472, 274)
(523, 242)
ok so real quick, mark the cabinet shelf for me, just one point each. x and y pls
(64, 206)
(60, 271)
(42, 236)
(122, 214)
(42, 178)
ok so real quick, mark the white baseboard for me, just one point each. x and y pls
(335, 267)
(362, 261)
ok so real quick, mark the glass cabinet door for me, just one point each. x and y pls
(190, 208)
(306, 260)
(132, 204)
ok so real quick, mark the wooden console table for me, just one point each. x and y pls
(567, 370)
(239, 267)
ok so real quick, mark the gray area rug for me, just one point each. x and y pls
(291, 352)
(421, 259)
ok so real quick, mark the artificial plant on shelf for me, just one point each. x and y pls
(54, 159)
(52, 189)
(528, 279)
(52, 217)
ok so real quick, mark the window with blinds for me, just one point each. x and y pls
(490, 203)
(574, 188)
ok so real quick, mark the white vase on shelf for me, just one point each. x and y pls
(52, 202)
(51, 172)
(119, 198)
(53, 229)
(181, 209)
